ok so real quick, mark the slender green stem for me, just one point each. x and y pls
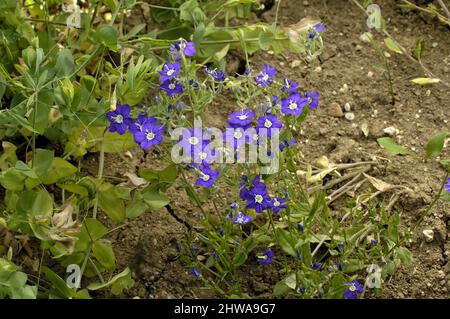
(276, 13)
(101, 163)
(430, 207)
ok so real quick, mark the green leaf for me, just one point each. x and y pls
(418, 51)
(25, 169)
(353, 265)
(115, 143)
(104, 253)
(425, 81)
(281, 289)
(65, 64)
(59, 169)
(389, 145)
(44, 159)
(445, 196)
(118, 283)
(265, 40)
(435, 144)
(75, 188)
(92, 230)
(391, 45)
(108, 36)
(109, 201)
(135, 209)
(404, 255)
(163, 179)
(187, 10)
(285, 240)
(240, 258)
(43, 204)
(58, 283)
(12, 179)
(154, 199)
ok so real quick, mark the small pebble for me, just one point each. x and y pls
(428, 235)
(295, 63)
(370, 74)
(334, 110)
(350, 116)
(344, 88)
(435, 44)
(318, 69)
(391, 131)
(347, 107)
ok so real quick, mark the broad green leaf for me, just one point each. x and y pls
(265, 40)
(109, 201)
(104, 254)
(92, 230)
(43, 204)
(44, 159)
(12, 179)
(391, 45)
(389, 145)
(75, 188)
(163, 178)
(59, 169)
(285, 240)
(435, 144)
(25, 170)
(65, 64)
(404, 255)
(154, 199)
(108, 36)
(187, 9)
(116, 143)
(135, 209)
(425, 81)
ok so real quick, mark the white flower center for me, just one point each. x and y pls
(170, 72)
(265, 77)
(242, 117)
(171, 86)
(205, 177)
(237, 135)
(292, 105)
(150, 136)
(258, 199)
(240, 219)
(276, 203)
(202, 155)
(119, 119)
(352, 288)
(193, 140)
(267, 123)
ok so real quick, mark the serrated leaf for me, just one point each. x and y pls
(391, 147)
